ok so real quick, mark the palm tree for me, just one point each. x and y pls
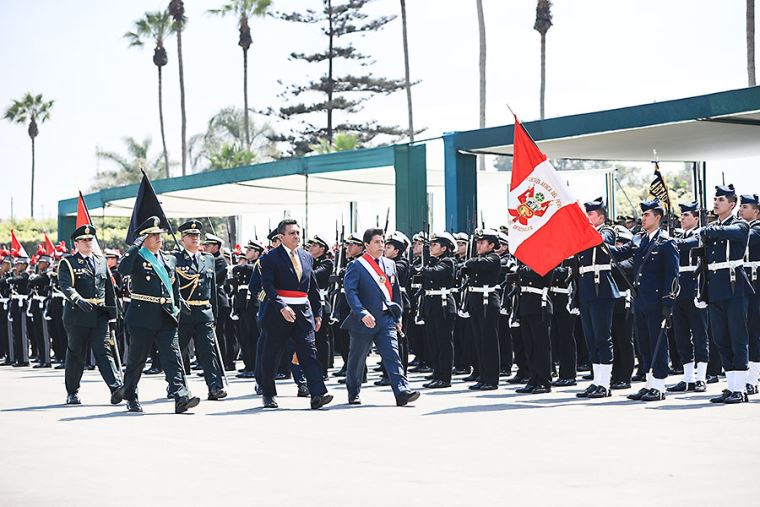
(34, 109)
(482, 71)
(128, 167)
(177, 10)
(407, 82)
(751, 42)
(243, 10)
(156, 26)
(542, 25)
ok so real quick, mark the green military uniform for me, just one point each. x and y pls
(152, 317)
(197, 286)
(90, 303)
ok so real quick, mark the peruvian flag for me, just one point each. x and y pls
(17, 249)
(83, 218)
(546, 223)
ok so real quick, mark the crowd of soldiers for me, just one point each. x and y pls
(645, 304)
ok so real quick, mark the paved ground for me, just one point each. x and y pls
(454, 447)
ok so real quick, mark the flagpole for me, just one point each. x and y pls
(171, 229)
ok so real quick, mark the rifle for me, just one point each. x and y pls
(702, 285)
(465, 283)
(387, 220)
(335, 278)
(424, 259)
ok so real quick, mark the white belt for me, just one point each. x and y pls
(627, 295)
(753, 267)
(58, 294)
(3, 300)
(534, 290)
(126, 299)
(416, 285)
(485, 289)
(19, 297)
(439, 292)
(37, 297)
(687, 269)
(560, 290)
(403, 290)
(715, 266)
(596, 268)
(242, 287)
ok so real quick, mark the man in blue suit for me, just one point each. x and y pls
(290, 310)
(374, 295)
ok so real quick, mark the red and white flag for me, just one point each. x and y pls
(546, 223)
(83, 218)
(17, 249)
(48, 245)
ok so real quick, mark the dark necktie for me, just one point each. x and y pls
(195, 261)
(91, 263)
(644, 243)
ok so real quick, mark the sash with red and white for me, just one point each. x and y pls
(378, 275)
(293, 297)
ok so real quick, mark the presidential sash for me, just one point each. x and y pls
(377, 274)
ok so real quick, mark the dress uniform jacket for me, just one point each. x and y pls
(197, 285)
(78, 281)
(145, 282)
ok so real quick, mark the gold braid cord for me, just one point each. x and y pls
(192, 282)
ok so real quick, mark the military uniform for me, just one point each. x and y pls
(597, 292)
(152, 317)
(404, 273)
(55, 318)
(439, 310)
(563, 323)
(40, 288)
(690, 315)
(6, 335)
(623, 321)
(323, 269)
(197, 286)
(482, 305)
(725, 242)
(224, 332)
(752, 268)
(90, 304)
(246, 307)
(18, 344)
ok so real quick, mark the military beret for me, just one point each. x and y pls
(191, 227)
(595, 205)
(212, 239)
(725, 190)
(750, 199)
(150, 226)
(444, 239)
(85, 231)
(692, 207)
(651, 205)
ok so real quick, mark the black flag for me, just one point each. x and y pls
(659, 189)
(146, 206)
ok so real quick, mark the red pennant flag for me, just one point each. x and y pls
(48, 245)
(546, 223)
(17, 249)
(83, 217)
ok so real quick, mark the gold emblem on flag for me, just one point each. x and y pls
(382, 279)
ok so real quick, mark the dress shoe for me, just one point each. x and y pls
(269, 402)
(517, 379)
(61, 366)
(117, 395)
(527, 389)
(217, 394)
(354, 400)
(751, 389)
(42, 365)
(73, 399)
(152, 371)
(681, 387)
(678, 370)
(428, 384)
(476, 386)
(638, 395)
(430, 377)
(422, 369)
(246, 374)
(377, 369)
(88, 367)
(735, 397)
(722, 398)
(134, 406)
(383, 382)
(653, 395)
(281, 376)
(183, 403)
(406, 397)
(170, 396)
(200, 373)
(342, 380)
(303, 391)
(20, 364)
(488, 387)
(439, 384)
(639, 377)
(340, 373)
(320, 400)
(584, 367)
(473, 377)
(588, 376)
(700, 387)
(712, 379)
(599, 392)
(541, 390)
(584, 394)
(564, 382)
(620, 384)
(462, 371)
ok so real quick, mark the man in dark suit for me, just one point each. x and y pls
(374, 295)
(224, 333)
(153, 315)
(290, 310)
(90, 302)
